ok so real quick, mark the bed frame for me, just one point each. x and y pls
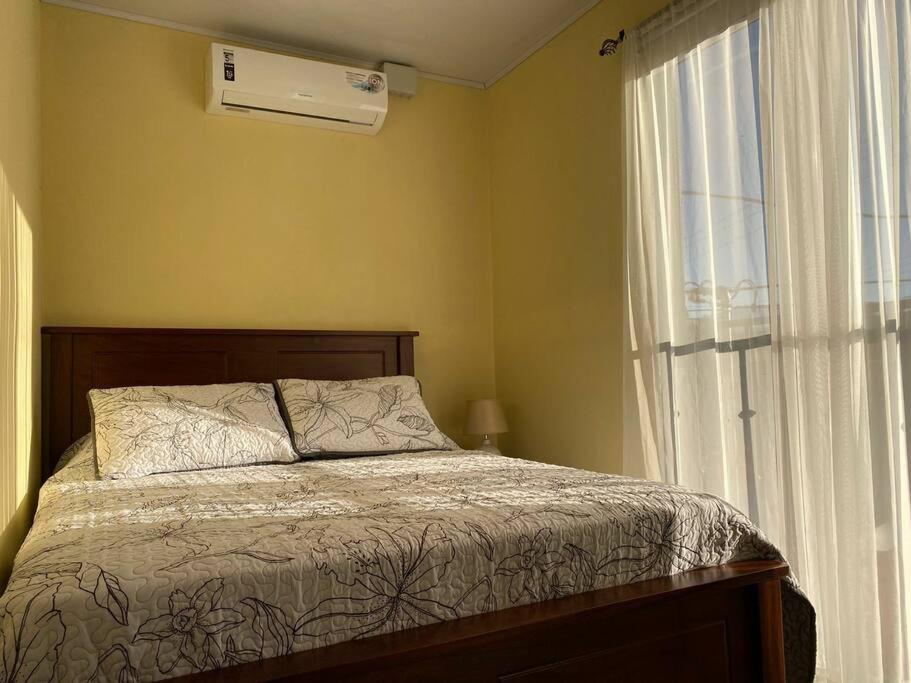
(717, 624)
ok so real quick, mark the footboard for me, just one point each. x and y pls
(716, 624)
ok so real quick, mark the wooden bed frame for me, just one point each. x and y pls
(716, 624)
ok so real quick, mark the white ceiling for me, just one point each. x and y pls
(475, 41)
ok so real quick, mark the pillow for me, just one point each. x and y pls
(146, 430)
(77, 463)
(363, 417)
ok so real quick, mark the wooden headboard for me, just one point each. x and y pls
(76, 359)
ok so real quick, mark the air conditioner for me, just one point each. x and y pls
(262, 85)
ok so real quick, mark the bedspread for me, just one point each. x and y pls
(150, 578)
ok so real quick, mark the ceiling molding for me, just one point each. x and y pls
(541, 43)
(247, 40)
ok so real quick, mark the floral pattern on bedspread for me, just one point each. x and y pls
(170, 574)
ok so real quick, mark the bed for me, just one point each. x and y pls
(440, 565)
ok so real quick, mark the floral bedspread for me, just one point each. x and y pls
(150, 578)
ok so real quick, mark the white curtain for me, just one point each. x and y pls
(768, 262)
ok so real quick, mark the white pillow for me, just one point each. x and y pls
(146, 430)
(77, 463)
(363, 417)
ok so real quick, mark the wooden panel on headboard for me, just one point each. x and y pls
(77, 359)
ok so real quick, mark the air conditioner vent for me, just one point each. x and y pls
(263, 85)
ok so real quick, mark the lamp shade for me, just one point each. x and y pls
(485, 416)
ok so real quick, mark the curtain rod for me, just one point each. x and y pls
(610, 45)
(665, 16)
(674, 15)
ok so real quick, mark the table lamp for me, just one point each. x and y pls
(485, 417)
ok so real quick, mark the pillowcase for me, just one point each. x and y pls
(147, 430)
(77, 463)
(364, 417)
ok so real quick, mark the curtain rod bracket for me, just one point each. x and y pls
(609, 46)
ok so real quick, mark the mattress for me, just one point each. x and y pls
(172, 574)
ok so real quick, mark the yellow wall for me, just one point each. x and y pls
(159, 214)
(557, 212)
(20, 211)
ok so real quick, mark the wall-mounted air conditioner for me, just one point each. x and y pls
(262, 85)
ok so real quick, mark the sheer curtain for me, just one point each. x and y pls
(768, 261)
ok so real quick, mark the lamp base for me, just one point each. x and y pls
(488, 446)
